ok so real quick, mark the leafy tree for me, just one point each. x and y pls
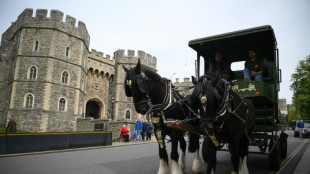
(301, 88)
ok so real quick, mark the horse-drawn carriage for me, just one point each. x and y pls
(223, 111)
(264, 94)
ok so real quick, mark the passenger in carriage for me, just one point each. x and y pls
(254, 67)
(218, 66)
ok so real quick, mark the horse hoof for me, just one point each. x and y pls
(182, 161)
(163, 167)
(197, 164)
(233, 172)
(175, 168)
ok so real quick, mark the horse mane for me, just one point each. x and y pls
(153, 75)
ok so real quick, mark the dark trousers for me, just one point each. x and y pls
(148, 136)
(126, 137)
(143, 135)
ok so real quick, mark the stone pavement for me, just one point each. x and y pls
(114, 144)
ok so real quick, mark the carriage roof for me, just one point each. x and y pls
(235, 41)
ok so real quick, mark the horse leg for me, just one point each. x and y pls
(210, 155)
(163, 162)
(175, 168)
(235, 154)
(244, 147)
(194, 147)
(182, 159)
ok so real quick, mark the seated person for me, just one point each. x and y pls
(217, 66)
(254, 67)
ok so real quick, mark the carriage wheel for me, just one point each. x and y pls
(275, 157)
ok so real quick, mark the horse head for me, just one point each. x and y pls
(205, 99)
(144, 86)
(137, 86)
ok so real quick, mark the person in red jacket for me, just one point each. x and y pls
(124, 132)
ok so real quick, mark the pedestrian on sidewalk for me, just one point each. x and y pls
(143, 130)
(138, 129)
(300, 126)
(11, 128)
(148, 131)
(124, 133)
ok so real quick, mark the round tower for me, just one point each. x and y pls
(122, 107)
(48, 64)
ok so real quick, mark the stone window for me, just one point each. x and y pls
(62, 104)
(36, 46)
(128, 115)
(67, 52)
(29, 100)
(32, 72)
(65, 77)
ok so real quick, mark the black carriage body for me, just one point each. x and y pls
(234, 47)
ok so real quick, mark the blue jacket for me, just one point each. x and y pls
(300, 124)
(139, 125)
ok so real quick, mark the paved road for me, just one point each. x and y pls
(134, 159)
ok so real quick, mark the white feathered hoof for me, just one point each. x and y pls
(163, 167)
(197, 164)
(175, 168)
(182, 161)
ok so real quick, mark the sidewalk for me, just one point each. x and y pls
(303, 166)
(114, 144)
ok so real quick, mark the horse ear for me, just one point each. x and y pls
(194, 80)
(214, 81)
(138, 67)
(125, 69)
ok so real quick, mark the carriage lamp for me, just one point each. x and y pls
(257, 93)
(203, 99)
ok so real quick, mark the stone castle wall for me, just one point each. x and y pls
(61, 47)
(93, 76)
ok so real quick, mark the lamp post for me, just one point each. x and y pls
(112, 102)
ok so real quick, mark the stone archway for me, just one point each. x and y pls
(94, 108)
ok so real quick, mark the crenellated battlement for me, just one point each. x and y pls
(130, 57)
(55, 21)
(100, 56)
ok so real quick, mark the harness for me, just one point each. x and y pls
(224, 111)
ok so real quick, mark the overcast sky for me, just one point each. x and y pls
(163, 28)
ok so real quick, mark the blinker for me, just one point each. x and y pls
(129, 82)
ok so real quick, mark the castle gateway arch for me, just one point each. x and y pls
(94, 108)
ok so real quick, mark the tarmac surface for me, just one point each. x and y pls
(303, 166)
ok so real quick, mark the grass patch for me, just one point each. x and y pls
(3, 129)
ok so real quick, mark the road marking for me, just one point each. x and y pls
(289, 158)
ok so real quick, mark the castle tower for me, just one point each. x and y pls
(100, 73)
(122, 107)
(43, 71)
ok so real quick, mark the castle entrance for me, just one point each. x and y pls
(93, 109)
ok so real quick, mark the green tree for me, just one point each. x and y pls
(301, 88)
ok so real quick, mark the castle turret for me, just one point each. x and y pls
(48, 70)
(123, 106)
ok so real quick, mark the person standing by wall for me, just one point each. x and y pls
(138, 130)
(124, 132)
(143, 130)
(300, 126)
(148, 131)
(11, 128)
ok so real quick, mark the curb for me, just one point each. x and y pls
(114, 144)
